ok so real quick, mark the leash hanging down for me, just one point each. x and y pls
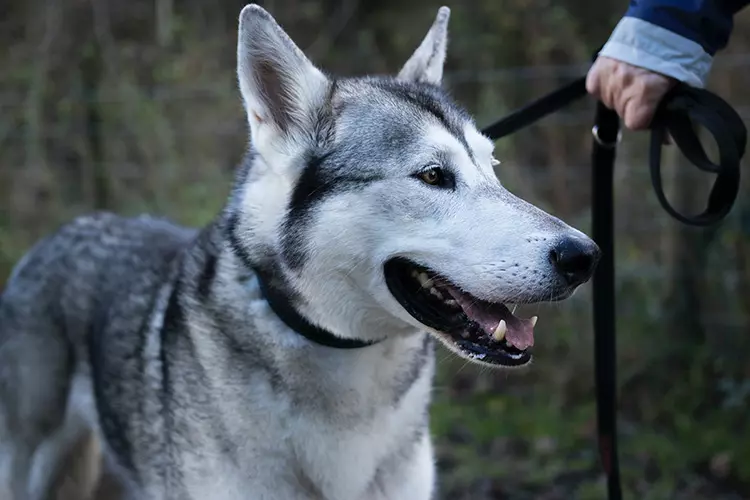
(680, 109)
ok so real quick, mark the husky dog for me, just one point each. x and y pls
(284, 351)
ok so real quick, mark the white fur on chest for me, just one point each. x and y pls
(331, 431)
(347, 461)
(287, 455)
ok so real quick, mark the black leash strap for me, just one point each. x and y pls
(606, 133)
(537, 110)
(680, 109)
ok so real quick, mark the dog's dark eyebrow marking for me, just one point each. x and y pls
(434, 105)
(313, 186)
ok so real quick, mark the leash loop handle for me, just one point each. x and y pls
(679, 110)
(682, 108)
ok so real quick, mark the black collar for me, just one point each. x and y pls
(283, 308)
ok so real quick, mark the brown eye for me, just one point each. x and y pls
(437, 177)
(433, 176)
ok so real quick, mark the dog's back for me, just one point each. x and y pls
(99, 268)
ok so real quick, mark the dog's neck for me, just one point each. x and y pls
(282, 306)
(236, 285)
(250, 332)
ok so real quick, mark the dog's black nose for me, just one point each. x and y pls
(575, 259)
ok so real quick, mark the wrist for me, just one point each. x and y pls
(645, 45)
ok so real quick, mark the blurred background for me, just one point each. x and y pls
(133, 107)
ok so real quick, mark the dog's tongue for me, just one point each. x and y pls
(520, 332)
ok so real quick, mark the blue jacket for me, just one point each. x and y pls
(677, 38)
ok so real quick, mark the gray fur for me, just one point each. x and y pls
(157, 336)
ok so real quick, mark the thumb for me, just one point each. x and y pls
(592, 81)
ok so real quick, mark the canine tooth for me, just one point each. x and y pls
(533, 320)
(435, 292)
(424, 280)
(499, 333)
(451, 302)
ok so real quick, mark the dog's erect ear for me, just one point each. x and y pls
(426, 64)
(280, 87)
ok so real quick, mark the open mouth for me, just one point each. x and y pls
(481, 330)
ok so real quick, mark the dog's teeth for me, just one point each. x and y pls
(451, 302)
(533, 320)
(499, 333)
(434, 291)
(424, 280)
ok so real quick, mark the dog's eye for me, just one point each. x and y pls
(432, 176)
(436, 177)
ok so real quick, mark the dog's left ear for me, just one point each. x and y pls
(426, 64)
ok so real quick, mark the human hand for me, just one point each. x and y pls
(633, 92)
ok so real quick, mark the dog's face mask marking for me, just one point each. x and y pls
(382, 190)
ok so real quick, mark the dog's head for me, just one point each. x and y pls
(376, 202)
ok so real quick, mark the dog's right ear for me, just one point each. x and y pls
(280, 87)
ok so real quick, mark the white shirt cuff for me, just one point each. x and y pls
(652, 47)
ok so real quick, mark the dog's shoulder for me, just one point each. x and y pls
(98, 255)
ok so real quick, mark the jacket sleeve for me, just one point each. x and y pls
(677, 38)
